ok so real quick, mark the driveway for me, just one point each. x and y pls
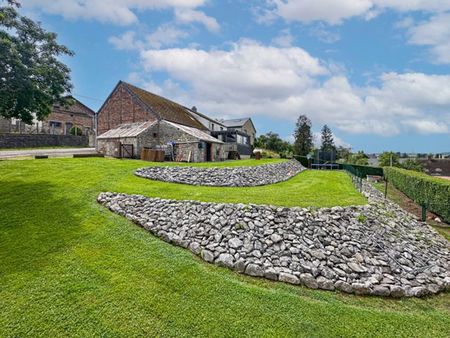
(61, 152)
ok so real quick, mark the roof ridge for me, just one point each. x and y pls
(165, 108)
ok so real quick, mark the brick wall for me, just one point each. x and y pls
(121, 107)
(41, 140)
(75, 115)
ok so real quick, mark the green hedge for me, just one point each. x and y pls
(433, 193)
(302, 159)
(362, 170)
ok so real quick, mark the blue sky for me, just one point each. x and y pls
(376, 71)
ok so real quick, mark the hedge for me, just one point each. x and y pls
(362, 170)
(428, 191)
(303, 160)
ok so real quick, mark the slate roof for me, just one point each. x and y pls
(127, 130)
(135, 129)
(165, 108)
(195, 132)
(235, 122)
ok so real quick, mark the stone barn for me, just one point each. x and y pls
(180, 142)
(132, 119)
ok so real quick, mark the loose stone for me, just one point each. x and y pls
(390, 254)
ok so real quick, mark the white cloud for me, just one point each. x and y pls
(331, 11)
(427, 126)
(335, 12)
(435, 32)
(284, 39)
(118, 12)
(323, 34)
(126, 41)
(190, 15)
(164, 35)
(282, 82)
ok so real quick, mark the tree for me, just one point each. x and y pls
(344, 154)
(413, 164)
(272, 141)
(32, 78)
(388, 158)
(360, 158)
(327, 139)
(303, 136)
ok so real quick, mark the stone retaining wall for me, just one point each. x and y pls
(42, 140)
(217, 176)
(376, 249)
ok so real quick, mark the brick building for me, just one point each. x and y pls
(62, 119)
(59, 122)
(132, 118)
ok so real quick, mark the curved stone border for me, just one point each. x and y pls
(376, 249)
(226, 176)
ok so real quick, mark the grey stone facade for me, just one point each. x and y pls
(42, 140)
(186, 147)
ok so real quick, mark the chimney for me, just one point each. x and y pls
(194, 109)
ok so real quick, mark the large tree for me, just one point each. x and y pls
(327, 139)
(303, 143)
(32, 78)
(388, 158)
(272, 141)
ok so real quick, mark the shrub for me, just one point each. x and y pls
(76, 131)
(428, 191)
(362, 170)
(302, 159)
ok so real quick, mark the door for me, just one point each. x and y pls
(208, 152)
(126, 150)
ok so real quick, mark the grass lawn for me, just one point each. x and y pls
(69, 267)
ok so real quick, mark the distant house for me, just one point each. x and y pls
(132, 119)
(244, 125)
(208, 122)
(239, 136)
(60, 121)
(436, 166)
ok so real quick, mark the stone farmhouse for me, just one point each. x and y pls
(132, 119)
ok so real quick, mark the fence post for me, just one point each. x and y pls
(424, 213)
(385, 187)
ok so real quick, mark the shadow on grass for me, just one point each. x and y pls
(35, 223)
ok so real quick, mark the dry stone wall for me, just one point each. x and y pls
(221, 177)
(376, 249)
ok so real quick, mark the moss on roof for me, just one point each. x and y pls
(165, 108)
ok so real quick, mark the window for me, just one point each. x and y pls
(68, 127)
(221, 128)
(55, 124)
(212, 126)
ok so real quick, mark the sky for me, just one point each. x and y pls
(376, 71)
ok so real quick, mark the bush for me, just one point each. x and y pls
(433, 193)
(362, 170)
(303, 160)
(76, 131)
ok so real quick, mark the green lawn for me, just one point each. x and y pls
(69, 267)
